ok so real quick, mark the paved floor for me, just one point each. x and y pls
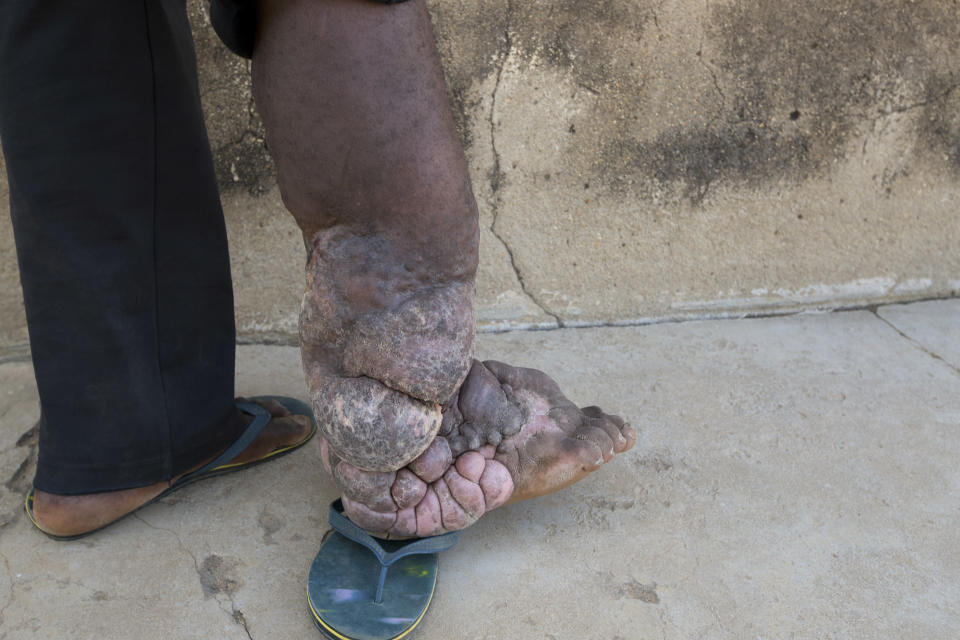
(794, 477)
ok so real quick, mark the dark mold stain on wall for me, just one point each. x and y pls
(581, 37)
(939, 132)
(835, 66)
(695, 158)
(795, 83)
(799, 82)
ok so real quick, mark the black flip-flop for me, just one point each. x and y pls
(366, 588)
(219, 465)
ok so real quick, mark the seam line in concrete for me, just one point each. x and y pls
(727, 315)
(914, 342)
(17, 356)
(496, 172)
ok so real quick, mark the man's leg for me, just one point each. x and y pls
(122, 251)
(421, 437)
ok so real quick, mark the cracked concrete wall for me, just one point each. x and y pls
(651, 159)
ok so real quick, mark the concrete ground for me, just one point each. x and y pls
(794, 477)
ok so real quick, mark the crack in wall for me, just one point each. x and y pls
(701, 58)
(496, 172)
(915, 343)
(917, 105)
(882, 114)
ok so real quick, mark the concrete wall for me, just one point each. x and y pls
(653, 159)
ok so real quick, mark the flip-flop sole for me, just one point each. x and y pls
(294, 406)
(342, 586)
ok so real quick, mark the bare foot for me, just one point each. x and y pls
(421, 438)
(508, 434)
(62, 515)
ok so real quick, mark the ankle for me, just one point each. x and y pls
(377, 309)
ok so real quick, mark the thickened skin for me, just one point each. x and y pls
(508, 434)
(420, 437)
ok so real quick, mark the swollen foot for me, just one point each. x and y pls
(506, 434)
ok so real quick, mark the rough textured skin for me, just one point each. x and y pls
(383, 345)
(422, 346)
(509, 434)
(492, 409)
(371, 425)
(378, 184)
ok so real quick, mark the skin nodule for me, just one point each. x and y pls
(420, 437)
(508, 434)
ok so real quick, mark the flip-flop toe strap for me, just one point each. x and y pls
(431, 545)
(260, 419)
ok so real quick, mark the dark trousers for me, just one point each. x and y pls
(120, 241)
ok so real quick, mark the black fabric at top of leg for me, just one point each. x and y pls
(235, 22)
(120, 240)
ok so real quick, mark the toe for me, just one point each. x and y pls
(598, 413)
(279, 433)
(563, 457)
(629, 435)
(620, 431)
(593, 411)
(276, 409)
(598, 436)
(291, 429)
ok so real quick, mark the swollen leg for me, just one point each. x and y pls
(421, 438)
(369, 164)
